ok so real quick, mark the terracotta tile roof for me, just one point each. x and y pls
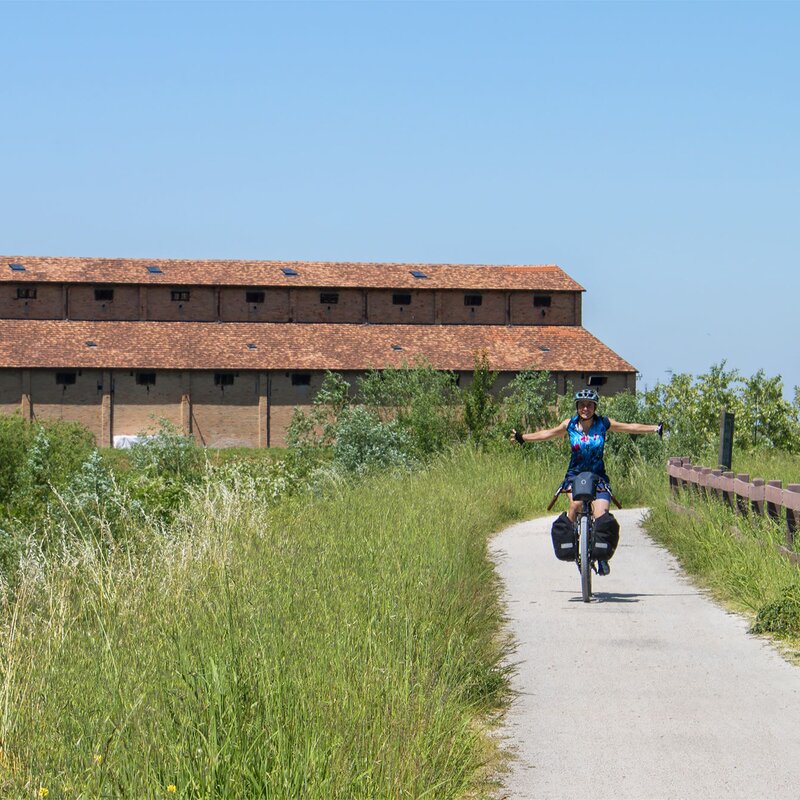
(547, 278)
(297, 346)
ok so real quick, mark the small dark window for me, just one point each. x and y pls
(104, 295)
(145, 378)
(418, 273)
(301, 379)
(541, 301)
(154, 270)
(65, 378)
(597, 380)
(289, 272)
(401, 299)
(329, 298)
(473, 299)
(254, 297)
(223, 379)
(26, 293)
(180, 295)
(17, 267)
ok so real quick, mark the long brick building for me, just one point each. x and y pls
(226, 349)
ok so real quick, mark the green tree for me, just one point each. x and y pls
(530, 401)
(480, 407)
(765, 418)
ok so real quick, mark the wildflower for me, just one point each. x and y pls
(172, 788)
(43, 791)
(98, 758)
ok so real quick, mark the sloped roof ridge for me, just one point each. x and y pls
(267, 262)
(343, 274)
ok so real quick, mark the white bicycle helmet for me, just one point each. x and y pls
(587, 394)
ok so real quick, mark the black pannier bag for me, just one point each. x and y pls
(563, 533)
(606, 536)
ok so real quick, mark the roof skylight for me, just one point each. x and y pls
(289, 271)
(153, 270)
(17, 267)
(418, 273)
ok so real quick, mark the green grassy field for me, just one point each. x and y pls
(344, 646)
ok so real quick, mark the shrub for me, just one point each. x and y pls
(781, 617)
(365, 443)
(423, 401)
(167, 453)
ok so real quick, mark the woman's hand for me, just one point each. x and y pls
(516, 436)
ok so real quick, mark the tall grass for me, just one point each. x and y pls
(737, 557)
(344, 646)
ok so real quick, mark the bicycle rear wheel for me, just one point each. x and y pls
(586, 563)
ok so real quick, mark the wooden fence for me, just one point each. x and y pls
(743, 495)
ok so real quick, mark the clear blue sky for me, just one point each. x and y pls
(652, 150)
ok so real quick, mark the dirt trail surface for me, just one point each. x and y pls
(650, 691)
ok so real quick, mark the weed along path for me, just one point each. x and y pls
(650, 691)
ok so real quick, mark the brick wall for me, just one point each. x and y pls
(307, 305)
(78, 402)
(453, 309)
(200, 307)
(48, 303)
(235, 308)
(10, 391)
(225, 415)
(138, 407)
(529, 308)
(382, 308)
(124, 304)
(284, 396)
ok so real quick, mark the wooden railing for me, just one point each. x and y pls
(743, 495)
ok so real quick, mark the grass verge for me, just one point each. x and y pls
(736, 559)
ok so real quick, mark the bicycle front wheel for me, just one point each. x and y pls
(586, 563)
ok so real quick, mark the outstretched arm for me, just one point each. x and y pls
(542, 435)
(632, 427)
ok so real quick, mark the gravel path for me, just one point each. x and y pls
(650, 691)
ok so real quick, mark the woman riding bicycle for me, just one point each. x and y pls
(587, 438)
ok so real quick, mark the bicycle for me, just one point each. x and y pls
(584, 489)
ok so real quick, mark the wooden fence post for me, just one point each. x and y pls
(757, 496)
(672, 465)
(772, 495)
(705, 475)
(742, 492)
(687, 465)
(791, 502)
(727, 489)
(714, 484)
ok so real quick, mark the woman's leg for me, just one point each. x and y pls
(574, 507)
(599, 507)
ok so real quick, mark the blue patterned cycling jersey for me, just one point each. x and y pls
(587, 448)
